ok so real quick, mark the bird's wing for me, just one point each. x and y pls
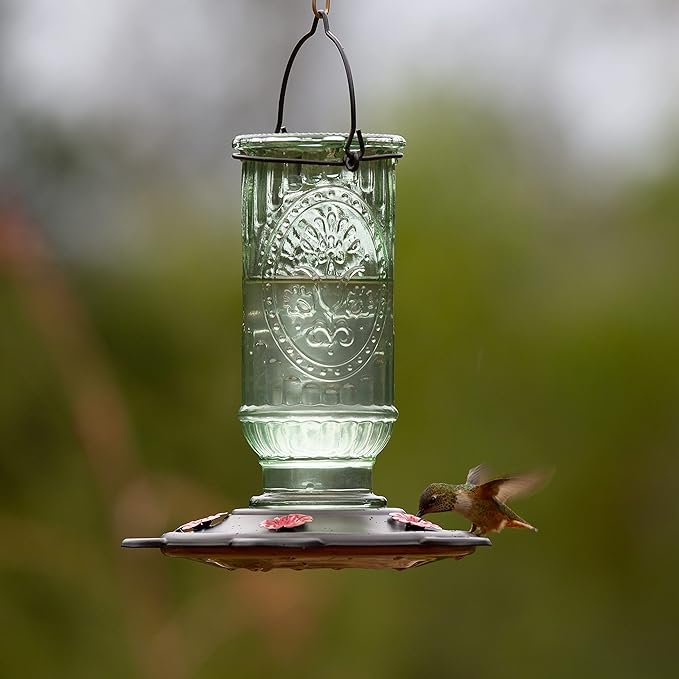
(512, 486)
(478, 475)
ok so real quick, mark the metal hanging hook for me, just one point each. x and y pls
(352, 158)
(314, 9)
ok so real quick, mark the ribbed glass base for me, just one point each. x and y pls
(295, 433)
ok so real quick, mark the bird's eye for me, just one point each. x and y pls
(433, 498)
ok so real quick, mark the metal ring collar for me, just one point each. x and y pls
(314, 9)
(352, 158)
(308, 161)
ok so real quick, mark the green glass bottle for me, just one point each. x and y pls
(318, 346)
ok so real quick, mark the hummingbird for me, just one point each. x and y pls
(481, 499)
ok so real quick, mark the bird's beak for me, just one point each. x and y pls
(420, 513)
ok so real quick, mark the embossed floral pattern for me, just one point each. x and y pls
(298, 301)
(327, 303)
(327, 329)
(360, 304)
(330, 242)
(326, 244)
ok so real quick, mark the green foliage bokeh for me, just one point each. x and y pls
(537, 324)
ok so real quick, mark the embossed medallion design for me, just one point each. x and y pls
(326, 234)
(327, 329)
(326, 304)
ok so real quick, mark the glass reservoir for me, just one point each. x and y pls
(318, 338)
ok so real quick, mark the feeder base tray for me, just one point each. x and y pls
(337, 538)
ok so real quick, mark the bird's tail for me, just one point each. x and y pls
(515, 521)
(520, 523)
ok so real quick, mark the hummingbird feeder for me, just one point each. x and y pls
(317, 357)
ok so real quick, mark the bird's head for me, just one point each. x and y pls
(437, 497)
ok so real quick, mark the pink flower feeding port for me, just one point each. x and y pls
(287, 522)
(318, 219)
(202, 524)
(413, 522)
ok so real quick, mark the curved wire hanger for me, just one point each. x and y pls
(352, 158)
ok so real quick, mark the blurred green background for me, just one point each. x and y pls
(537, 312)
